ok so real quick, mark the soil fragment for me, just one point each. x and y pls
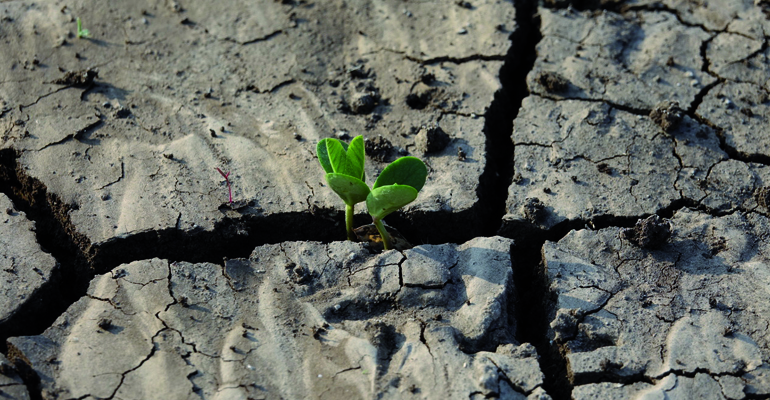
(650, 233)
(667, 115)
(82, 79)
(432, 139)
(552, 82)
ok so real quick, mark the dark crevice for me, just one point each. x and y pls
(532, 298)
(499, 148)
(534, 304)
(40, 310)
(732, 152)
(458, 60)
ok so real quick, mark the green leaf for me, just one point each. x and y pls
(355, 155)
(410, 171)
(337, 155)
(384, 200)
(349, 162)
(351, 190)
(323, 155)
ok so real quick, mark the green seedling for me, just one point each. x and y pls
(344, 166)
(82, 33)
(398, 184)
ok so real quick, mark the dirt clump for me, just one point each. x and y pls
(83, 78)
(432, 139)
(762, 195)
(552, 82)
(649, 233)
(534, 209)
(667, 115)
(378, 149)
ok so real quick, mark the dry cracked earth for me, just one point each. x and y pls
(595, 222)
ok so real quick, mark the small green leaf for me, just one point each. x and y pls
(351, 190)
(384, 200)
(337, 155)
(410, 171)
(323, 155)
(355, 155)
(346, 159)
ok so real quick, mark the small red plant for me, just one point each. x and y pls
(227, 180)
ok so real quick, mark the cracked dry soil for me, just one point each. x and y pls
(558, 134)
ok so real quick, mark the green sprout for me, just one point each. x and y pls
(398, 184)
(82, 33)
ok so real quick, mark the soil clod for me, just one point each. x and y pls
(649, 233)
(762, 195)
(82, 79)
(378, 149)
(534, 209)
(667, 115)
(552, 82)
(432, 139)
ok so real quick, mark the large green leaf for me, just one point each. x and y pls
(409, 171)
(322, 153)
(351, 190)
(384, 200)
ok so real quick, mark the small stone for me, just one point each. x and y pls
(105, 324)
(460, 154)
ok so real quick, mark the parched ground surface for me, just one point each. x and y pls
(594, 225)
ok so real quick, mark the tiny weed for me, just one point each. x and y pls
(82, 33)
(227, 180)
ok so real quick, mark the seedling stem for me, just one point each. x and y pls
(349, 221)
(383, 233)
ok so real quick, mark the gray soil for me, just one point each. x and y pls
(594, 224)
